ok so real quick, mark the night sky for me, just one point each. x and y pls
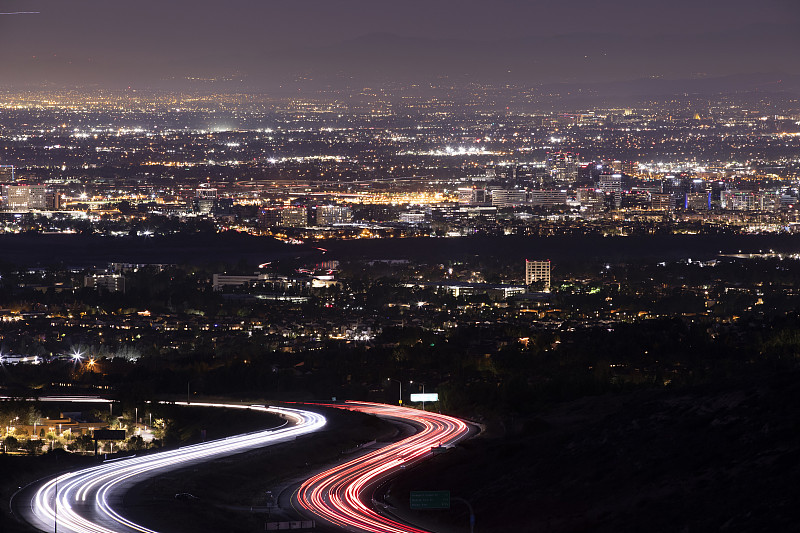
(271, 43)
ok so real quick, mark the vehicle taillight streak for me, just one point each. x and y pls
(338, 495)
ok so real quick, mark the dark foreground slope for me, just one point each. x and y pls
(717, 458)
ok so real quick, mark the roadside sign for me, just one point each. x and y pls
(427, 397)
(109, 434)
(430, 499)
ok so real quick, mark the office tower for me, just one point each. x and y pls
(24, 197)
(328, 215)
(471, 196)
(7, 174)
(53, 201)
(562, 165)
(698, 201)
(662, 201)
(286, 217)
(537, 272)
(742, 200)
(508, 197)
(610, 182)
(548, 198)
(205, 198)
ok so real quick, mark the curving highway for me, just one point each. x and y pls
(84, 501)
(340, 495)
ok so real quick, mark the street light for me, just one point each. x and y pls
(270, 503)
(8, 431)
(11, 425)
(401, 388)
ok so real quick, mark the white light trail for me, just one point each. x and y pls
(68, 494)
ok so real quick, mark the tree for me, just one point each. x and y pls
(84, 443)
(33, 447)
(10, 444)
(135, 443)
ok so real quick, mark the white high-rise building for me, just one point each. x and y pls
(206, 193)
(742, 200)
(537, 272)
(328, 215)
(562, 165)
(610, 182)
(37, 197)
(24, 197)
(471, 196)
(547, 198)
(508, 197)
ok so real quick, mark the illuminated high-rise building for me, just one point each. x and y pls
(7, 174)
(508, 197)
(698, 201)
(205, 198)
(562, 165)
(287, 217)
(662, 201)
(735, 200)
(537, 272)
(328, 215)
(610, 182)
(547, 197)
(24, 197)
(471, 196)
(206, 193)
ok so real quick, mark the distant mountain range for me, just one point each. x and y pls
(751, 58)
(710, 60)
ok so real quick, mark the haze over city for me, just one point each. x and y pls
(312, 44)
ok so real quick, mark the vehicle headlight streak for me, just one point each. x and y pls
(337, 495)
(76, 490)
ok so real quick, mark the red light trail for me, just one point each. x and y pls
(338, 495)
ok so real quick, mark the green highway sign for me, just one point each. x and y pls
(430, 499)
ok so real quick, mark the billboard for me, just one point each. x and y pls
(109, 434)
(426, 397)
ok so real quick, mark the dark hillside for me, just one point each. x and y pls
(715, 458)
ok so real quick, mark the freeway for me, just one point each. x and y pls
(340, 495)
(84, 501)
